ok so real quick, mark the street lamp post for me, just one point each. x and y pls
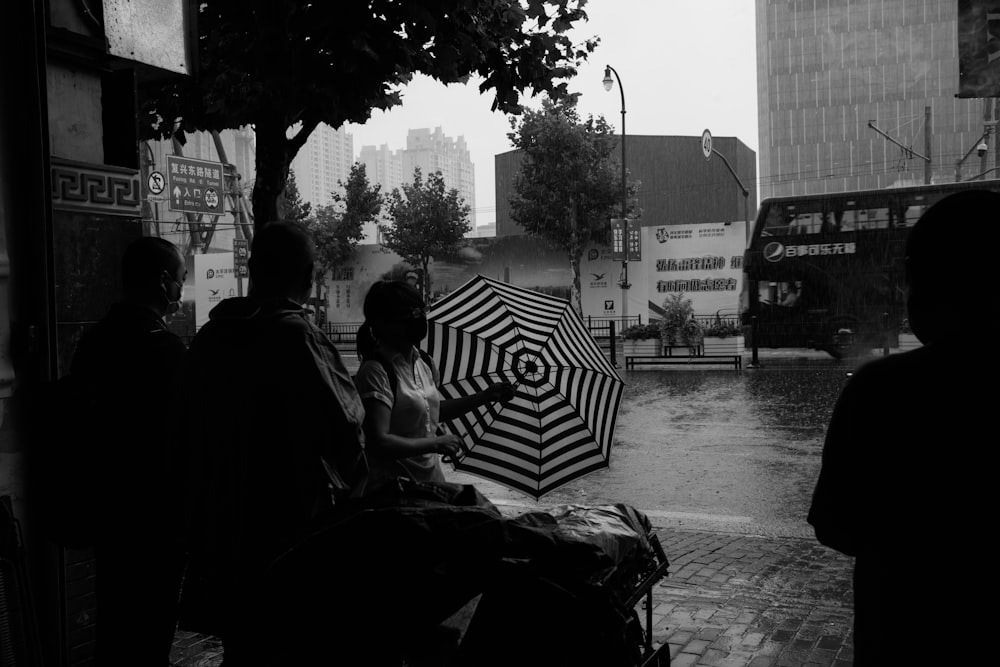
(609, 83)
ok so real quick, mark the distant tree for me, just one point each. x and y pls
(568, 186)
(284, 66)
(337, 228)
(427, 221)
(291, 207)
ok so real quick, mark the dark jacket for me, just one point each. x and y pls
(129, 367)
(906, 488)
(274, 423)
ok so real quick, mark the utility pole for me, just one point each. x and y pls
(927, 144)
(908, 150)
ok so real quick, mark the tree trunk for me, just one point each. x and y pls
(272, 170)
(426, 281)
(575, 299)
(574, 259)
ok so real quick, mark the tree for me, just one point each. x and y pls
(568, 186)
(284, 66)
(428, 221)
(338, 227)
(290, 204)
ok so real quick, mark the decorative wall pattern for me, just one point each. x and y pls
(98, 189)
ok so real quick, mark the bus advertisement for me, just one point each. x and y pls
(826, 271)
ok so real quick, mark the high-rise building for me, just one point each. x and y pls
(841, 82)
(382, 166)
(431, 152)
(323, 161)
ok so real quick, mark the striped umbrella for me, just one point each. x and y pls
(560, 423)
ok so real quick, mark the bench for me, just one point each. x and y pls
(684, 356)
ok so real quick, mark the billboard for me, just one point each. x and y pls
(704, 261)
(214, 280)
(978, 48)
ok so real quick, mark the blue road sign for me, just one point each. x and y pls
(194, 186)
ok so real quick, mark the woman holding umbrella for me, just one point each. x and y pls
(399, 388)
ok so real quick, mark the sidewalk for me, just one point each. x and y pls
(729, 601)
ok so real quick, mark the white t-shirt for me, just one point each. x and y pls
(415, 408)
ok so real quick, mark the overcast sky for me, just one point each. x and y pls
(686, 66)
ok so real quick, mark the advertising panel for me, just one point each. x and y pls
(703, 261)
(601, 276)
(214, 280)
(978, 48)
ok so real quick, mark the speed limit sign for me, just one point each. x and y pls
(706, 144)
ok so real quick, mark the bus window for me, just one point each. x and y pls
(784, 219)
(786, 294)
(912, 213)
(775, 222)
(806, 223)
(858, 219)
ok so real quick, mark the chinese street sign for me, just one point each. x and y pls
(194, 186)
(241, 251)
(622, 241)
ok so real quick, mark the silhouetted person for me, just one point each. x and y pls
(275, 430)
(129, 365)
(906, 481)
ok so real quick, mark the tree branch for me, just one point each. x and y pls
(298, 141)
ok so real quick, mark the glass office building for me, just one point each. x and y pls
(852, 94)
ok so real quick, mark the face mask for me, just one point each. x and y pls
(174, 306)
(414, 330)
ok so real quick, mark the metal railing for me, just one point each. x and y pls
(621, 322)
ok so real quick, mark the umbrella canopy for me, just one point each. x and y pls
(560, 423)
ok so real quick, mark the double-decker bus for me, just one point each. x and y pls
(826, 271)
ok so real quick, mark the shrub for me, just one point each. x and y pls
(641, 332)
(677, 313)
(723, 329)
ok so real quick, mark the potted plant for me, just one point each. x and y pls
(675, 326)
(723, 337)
(642, 340)
(907, 339)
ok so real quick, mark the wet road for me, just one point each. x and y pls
(710, 449)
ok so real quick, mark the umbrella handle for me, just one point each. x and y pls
(454, 460)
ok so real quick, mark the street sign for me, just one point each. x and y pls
(617, 239)
(241, 252)
(706, 144)
(156, 182)
(633, 241)
(194, 186)
(626, 237)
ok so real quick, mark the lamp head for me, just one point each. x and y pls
(609, 83)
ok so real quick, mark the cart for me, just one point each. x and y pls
(660, 656)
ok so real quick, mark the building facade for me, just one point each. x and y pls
(835, 78)
(322, 162)
(676, 184)
(71, 200)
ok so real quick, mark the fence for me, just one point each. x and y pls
(343, 334)
(604, 332)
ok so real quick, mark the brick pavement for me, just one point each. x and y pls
(746, 601)
(729, 601)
